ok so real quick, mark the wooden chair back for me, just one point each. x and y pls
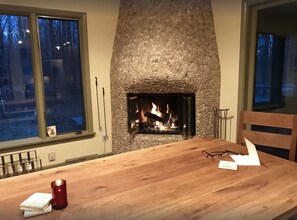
(275, 120)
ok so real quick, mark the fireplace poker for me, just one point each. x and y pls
(215, 127)
(97, 96)
(104, 111)
(220, 122)
(225, 120)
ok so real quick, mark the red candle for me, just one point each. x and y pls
(59, 193)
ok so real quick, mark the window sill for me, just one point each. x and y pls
(37, 142)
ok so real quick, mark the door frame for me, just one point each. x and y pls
(248, 43)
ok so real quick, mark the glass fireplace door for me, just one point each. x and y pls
(167, 113)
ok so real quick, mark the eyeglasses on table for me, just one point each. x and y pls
(218, 154)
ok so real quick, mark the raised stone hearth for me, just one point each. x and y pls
(163, 46)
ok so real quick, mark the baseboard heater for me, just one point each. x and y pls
(81, 159)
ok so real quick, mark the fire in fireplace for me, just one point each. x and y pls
(169, 113)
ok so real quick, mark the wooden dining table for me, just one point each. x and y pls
(170, 181)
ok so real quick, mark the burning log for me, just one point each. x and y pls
(166, 115)
(155, 117)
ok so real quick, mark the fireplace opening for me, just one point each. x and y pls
(167, 113)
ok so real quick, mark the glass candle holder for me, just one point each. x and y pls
(59, 193)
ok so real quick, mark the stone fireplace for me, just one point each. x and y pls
(163, 47)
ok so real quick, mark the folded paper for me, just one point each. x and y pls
(252, 159)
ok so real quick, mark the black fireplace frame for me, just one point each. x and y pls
(186, 124)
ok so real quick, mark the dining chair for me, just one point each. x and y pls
(249, 119)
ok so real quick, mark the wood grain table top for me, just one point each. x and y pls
(171, 181)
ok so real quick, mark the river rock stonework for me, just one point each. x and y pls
(163, 46)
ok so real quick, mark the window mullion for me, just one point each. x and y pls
(38, 77)
(86, 72)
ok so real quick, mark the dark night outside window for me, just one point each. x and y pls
(17, 102)
(60, 70)
(60, 54)
(275, 84)
(269, 70)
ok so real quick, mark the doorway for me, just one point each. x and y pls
(269, 56)
(269, 59)
(275, 75)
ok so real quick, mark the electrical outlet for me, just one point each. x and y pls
(52, 156)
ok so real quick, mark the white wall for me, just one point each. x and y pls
(101, 23)
(227, 22)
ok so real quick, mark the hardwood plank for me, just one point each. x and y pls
(268, 139)
(264, 118)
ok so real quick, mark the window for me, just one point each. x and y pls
(17, 119)
(60, 54)
(268, 57)
(269, 71)
(43, 76)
